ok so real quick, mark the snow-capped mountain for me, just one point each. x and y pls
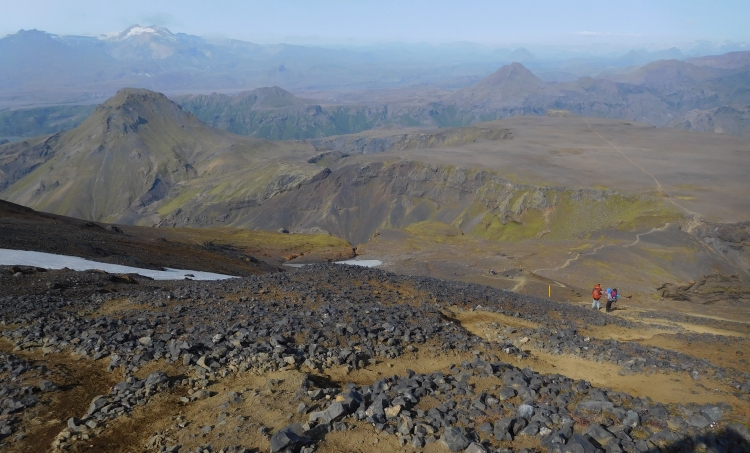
(138, 43)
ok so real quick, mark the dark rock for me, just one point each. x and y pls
(292, 436)
(75, 424)
(454, 439)
(699, 421)
(713, 413)
(97, 403)
(578, 444)
(155, 378)
(599, 434)
(334, 412)
(475, 448)
(47, 386)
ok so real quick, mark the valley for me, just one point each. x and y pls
(386, 247)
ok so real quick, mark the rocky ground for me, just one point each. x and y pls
(333, 358)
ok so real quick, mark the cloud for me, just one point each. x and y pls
(162, 19)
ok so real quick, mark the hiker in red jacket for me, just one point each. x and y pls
(596, 294)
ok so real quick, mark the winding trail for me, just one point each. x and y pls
(570, 260)
(638, 236)
(694, 218)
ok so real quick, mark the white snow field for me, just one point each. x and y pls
(51, 261)
(364, 263)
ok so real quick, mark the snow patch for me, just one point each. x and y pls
(352, 262)
(135, 31)
(363, 263)
(10, 257)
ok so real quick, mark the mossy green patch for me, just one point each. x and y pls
(263, 240)
(435, 231)
(178, 202)
(527, 226)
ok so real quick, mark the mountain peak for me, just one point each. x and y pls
(144, 33)
(521, 54)
(514, 74)
(132, 108)
(126, 155)
(30, 36)
(270, 97)
(125, 95)
(511, 81)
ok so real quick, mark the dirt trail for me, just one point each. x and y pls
(652, 230)
(695, 218)
(570, 260)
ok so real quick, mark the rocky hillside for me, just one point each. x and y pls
(729, 119)
(42, 120)
(354, 201)
(398, 140)
(276, 114)
(331, 358)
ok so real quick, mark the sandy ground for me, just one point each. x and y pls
(662, 387)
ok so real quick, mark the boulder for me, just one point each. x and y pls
(699, 421)
(599, 434)
(334, 412)
(475, 448)
(455, 439)
(292, 437)
(713, 413)
(97, 403)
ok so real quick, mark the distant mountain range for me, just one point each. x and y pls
(662, 93)
(40, 68)
(50, 69)
(659, 93)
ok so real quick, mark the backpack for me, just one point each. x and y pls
(597, 292)
(613, 296)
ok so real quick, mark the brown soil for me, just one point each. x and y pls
(79, 380)
(361, 438)
(422, 362)
(732, 353)
(666, 388)
(116, 306)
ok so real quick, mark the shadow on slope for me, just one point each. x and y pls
(22, 228)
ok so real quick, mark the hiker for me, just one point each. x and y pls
(596, 294)
(611, 299)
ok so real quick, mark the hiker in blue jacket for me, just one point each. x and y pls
(612, 297)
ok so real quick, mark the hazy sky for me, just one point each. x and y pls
(571, 22)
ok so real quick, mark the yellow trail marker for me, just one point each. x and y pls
(549, 291)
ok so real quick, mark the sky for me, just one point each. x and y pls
(353, 22)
